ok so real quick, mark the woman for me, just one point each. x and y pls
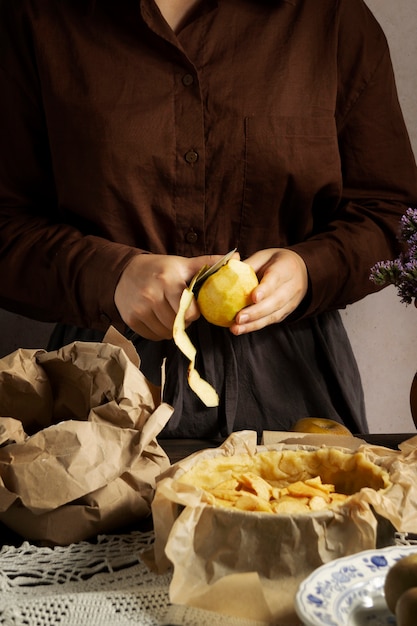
(143, 139)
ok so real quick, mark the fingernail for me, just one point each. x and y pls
(242, 318)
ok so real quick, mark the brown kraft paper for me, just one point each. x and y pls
(78, 441)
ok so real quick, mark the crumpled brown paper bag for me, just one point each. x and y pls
(250, 565)
(78, 448)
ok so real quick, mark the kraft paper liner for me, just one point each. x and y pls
(251, 564)
(92, 464)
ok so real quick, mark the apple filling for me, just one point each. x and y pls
(285, 481)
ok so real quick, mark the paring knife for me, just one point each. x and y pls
(208, 270)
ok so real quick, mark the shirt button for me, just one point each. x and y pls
(187, 79)
(191, 156)
(191, 236)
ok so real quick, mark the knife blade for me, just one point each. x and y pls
(208, 270)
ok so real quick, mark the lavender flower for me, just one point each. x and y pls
(402, 272)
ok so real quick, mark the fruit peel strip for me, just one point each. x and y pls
(201, 387)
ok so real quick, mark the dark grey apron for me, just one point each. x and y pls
(266, 380)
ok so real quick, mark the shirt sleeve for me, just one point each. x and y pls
(49, 270)
(378, 170)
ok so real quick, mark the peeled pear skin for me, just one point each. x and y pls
(201, 387)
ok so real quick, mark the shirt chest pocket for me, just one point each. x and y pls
(291, 164)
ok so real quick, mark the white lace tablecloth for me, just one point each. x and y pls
(94, 584)
(91, 584)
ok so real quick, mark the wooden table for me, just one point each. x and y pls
(178, 449)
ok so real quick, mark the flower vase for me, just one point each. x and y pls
(413, 399)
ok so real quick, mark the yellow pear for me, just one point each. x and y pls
(400, 577)
(406, 609)
(320, 425)
(226, 292)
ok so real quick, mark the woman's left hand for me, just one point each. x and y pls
(283, 284)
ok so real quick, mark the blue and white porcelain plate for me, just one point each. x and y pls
(349, 591)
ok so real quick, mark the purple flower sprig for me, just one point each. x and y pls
(402, 272)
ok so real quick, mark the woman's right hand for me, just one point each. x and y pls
(148, 293)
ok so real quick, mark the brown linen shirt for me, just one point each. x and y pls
(261, 124)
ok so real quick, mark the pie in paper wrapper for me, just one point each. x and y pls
(248, 563)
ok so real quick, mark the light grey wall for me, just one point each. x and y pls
(382, 330)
